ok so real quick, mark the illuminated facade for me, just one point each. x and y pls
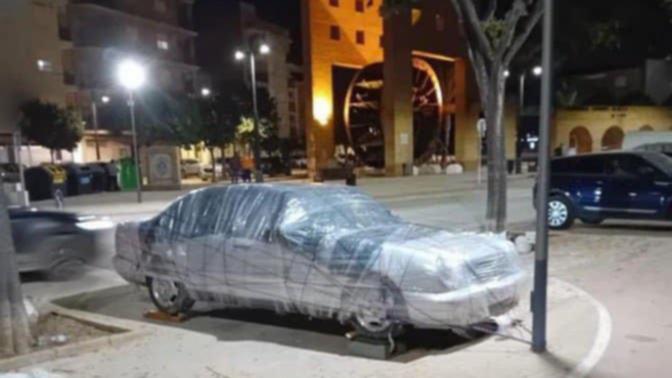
(343, 38)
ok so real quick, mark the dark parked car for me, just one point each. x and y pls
(323, 251)
(595, 187)
(51, 241)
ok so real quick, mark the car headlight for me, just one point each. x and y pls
(91, 223)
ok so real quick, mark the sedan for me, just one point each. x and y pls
(190, 167)
(323, 251)
(54, 241)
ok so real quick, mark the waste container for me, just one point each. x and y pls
(43, 181)
(80, 179)
(111, 175)
(99, 177)
(128, 177)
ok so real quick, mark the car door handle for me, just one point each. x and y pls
(632, 194)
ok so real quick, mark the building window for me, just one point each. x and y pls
(335, 33)
(359, 37)
(359, 6)
(162, 42)
(333, 3)
(44, 65)
(160, 6)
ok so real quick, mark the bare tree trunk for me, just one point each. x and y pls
(496, 139)
(15, 337)
(214, 164)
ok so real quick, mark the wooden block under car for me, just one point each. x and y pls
(161, 316)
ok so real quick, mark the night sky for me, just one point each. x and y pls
(286, 13)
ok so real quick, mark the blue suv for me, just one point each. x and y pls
(623, 184)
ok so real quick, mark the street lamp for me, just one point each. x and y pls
(254, 46)
(205, 92)
(132, 75)
(537, 71)
(94, 116)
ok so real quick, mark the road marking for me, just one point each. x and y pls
(601, 342)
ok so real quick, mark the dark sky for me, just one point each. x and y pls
(286, 13)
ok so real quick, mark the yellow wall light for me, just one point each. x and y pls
(322, 110)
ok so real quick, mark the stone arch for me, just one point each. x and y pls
(646, 128)
(613, 138)
(580, 140)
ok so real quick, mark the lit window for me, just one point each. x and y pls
(359, 37)
(359, 6)
(162, 42)
(333, 3)
(335, 33)
(44, 65)
(160, 6)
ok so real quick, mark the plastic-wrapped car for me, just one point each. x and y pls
(324, 251)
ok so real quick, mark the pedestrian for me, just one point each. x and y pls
(248, 165)
(234, 167)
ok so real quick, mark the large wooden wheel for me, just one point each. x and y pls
(363, 112)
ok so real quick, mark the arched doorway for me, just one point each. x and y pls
(613, 139)
(646, 128)
(580, 140)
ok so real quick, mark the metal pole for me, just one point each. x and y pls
(541, 255)
(258, 174)
(136, 154)
(94, 115)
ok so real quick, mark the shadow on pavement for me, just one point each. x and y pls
(129, 302)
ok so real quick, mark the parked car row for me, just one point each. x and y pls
(618, 185)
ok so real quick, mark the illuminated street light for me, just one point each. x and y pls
(507, 73)
(132, 75)
(105, 99)
(254, 43)
(264, 49)
(205, 92)
(537, 71)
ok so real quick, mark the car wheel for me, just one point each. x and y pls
(560, 213)
(372, 311)
(65, 270)
(169, 296)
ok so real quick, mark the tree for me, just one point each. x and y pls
(495, 33)
(15, 336)
(215, 120)
(51, 126)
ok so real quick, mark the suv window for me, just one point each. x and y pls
(591, 165)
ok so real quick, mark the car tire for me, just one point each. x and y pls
(65, 270)
(560, 213)
(169, 296)
(374, 310)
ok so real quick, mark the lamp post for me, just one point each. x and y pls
(264, 49)
(132, 76)
(94, 115)
(536, 71)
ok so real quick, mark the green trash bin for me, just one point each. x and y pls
(128, 178)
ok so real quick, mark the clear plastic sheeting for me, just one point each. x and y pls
(325, 251)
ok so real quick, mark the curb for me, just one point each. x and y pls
(128, 333)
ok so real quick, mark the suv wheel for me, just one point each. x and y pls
(560, 213)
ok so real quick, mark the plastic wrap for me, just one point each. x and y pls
(325, 251)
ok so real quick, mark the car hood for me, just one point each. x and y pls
(407, 253)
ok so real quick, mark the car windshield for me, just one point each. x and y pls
(662, 162)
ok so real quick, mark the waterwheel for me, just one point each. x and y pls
(363, 112)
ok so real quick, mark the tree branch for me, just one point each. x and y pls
(531, 23)
(490, 10)
(467, 12)
(518, 10)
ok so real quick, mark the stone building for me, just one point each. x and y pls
(352, 47)
(158, 33)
